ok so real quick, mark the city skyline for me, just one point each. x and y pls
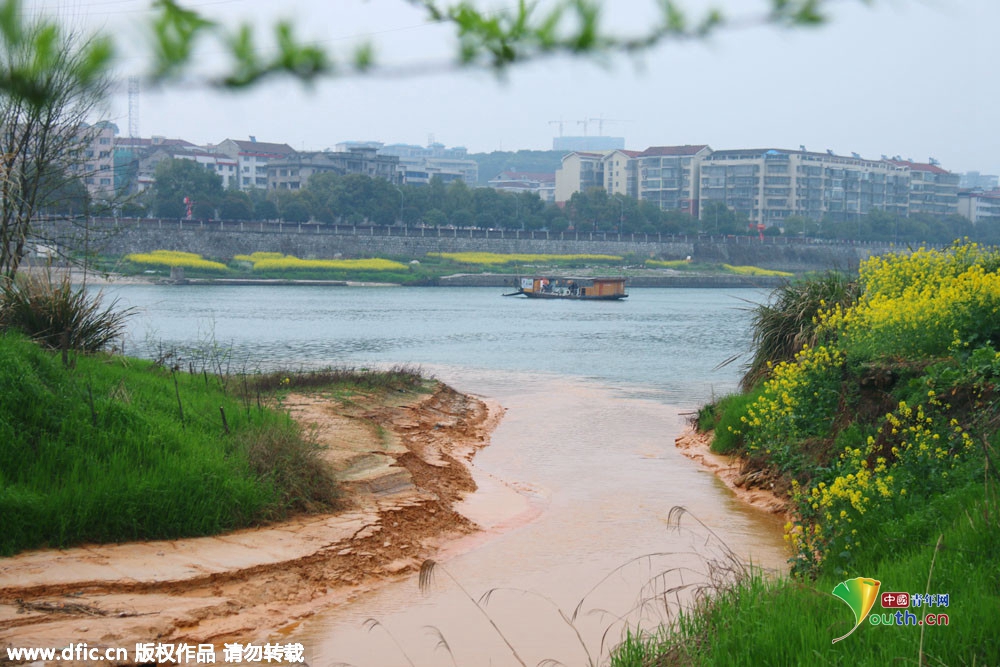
(903, 78)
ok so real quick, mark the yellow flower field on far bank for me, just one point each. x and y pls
(497, 258)
(175, 258)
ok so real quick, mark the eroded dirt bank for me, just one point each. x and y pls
(402, 462)
(730, 469)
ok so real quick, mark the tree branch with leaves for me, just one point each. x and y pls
(51, 82)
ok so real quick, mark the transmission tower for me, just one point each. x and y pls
(133, 107)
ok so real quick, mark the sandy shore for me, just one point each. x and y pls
(78, 276)
(404, 468)
(730, 469)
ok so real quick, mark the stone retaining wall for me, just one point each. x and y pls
(224, 240)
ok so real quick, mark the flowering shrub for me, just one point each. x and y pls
(290, 263)
(172, 258)
(755, 271)
(253, 258)
(799, 401)
(911, 457)
(495, 258)
(920, 304)
(930, 321)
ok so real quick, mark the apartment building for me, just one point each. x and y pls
(252, 158)
(425, 161)
(580, 171)
(980, 206)
(293, 172)
(665, 175)
(933, 190)
(93, 158)
(769, 185)
(222, 165)
(129, 153)
(669, 176)
(621, 173)
(515, 182)
(973, 180)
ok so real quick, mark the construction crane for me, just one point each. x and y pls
(601, 121)
(560, 123)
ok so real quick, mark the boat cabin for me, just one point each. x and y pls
(573, 288)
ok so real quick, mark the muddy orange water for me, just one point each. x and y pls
(578, 480)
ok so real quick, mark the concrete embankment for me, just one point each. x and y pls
(223, 240)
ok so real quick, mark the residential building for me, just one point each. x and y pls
(420, 163)
(669, 176)
(980, 206)
(769, 185)
(95, 162)
(293, 172)
(544, 185)
(252, 158)
(933, 190)
(973, 180)
(422, 174)
(620, 173)
(666, 175)
(580, 171)
(129, 151)
(217, 163)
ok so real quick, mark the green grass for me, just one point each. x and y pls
(724, 418)
(97, 451)
(784, 622)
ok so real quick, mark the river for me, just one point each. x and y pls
(578, 480)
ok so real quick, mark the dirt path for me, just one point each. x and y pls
(403, 468)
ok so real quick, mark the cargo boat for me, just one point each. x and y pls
(587, 289)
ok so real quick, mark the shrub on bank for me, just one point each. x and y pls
(58, 315)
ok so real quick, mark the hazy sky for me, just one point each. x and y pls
(917, 78)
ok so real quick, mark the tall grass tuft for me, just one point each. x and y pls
(290, 460)
(59, 316)
(787, 322)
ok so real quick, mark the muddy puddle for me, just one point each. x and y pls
(576, 485)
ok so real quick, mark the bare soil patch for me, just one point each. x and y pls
(402, 460)
(731, 470)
